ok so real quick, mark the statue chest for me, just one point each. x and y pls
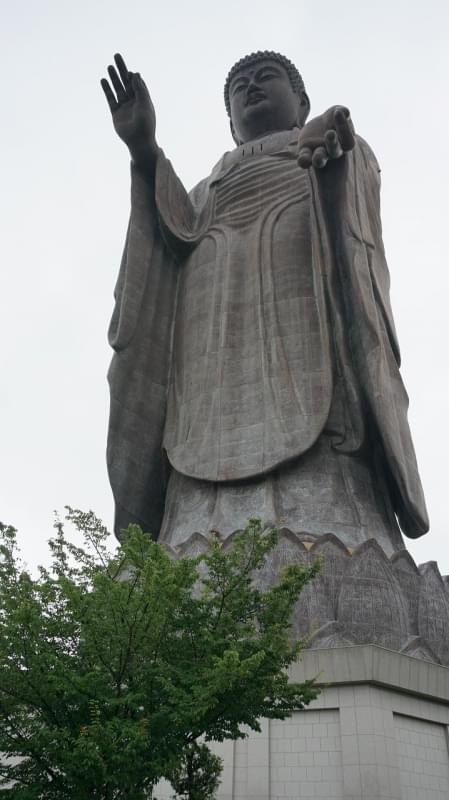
(251, 377)
(255, 259)
(255, 188)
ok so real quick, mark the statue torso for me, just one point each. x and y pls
(251, 382)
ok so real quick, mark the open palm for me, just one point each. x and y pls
(131, 106)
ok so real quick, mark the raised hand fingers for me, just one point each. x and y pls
(124, 73)
(138, 85)
(344, 127)
(110, 96)
(117, 84)
(121, 82)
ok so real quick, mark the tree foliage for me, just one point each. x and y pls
(197, 775)
(114, 664)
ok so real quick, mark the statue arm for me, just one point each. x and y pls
(140, 333)
(350, 190)
(163, 219)
(143, 245)
(141, 327)
(365, 179)
(345, 196)
(347, 177)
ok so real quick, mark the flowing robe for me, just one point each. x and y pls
(245, 314)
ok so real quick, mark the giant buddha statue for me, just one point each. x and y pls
(256, 364)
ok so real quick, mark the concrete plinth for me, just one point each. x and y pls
(379, 731)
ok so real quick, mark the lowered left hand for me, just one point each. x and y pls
(326, 137)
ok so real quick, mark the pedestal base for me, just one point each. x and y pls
(379, 731)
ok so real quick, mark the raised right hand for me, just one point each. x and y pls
(131, 107)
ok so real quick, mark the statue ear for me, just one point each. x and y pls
(304, 108)
(233, 134)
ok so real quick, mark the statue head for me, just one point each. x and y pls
(264, 92)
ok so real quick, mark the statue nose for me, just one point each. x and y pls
(252, 90)
(252, 86)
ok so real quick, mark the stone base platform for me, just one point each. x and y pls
(360, 596)
(378, 731)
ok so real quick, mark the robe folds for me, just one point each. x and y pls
(240, 310)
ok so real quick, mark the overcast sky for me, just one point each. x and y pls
(65, 204)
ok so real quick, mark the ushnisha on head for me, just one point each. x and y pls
(263, 93)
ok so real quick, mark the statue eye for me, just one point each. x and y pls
(238, 87)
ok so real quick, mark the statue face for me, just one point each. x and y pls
(262, 100)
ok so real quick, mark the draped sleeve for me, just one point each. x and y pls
(140, 333)
(346, 207)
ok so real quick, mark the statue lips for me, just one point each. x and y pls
(255, 97)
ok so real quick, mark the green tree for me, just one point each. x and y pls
(197, 775)
(113, 665)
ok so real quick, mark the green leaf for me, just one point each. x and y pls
(117, 667)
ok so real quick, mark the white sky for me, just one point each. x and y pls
(65, 203)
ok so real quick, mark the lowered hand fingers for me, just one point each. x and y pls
(333, 146)
(344, 128)
(305, 157)
(320, 157)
